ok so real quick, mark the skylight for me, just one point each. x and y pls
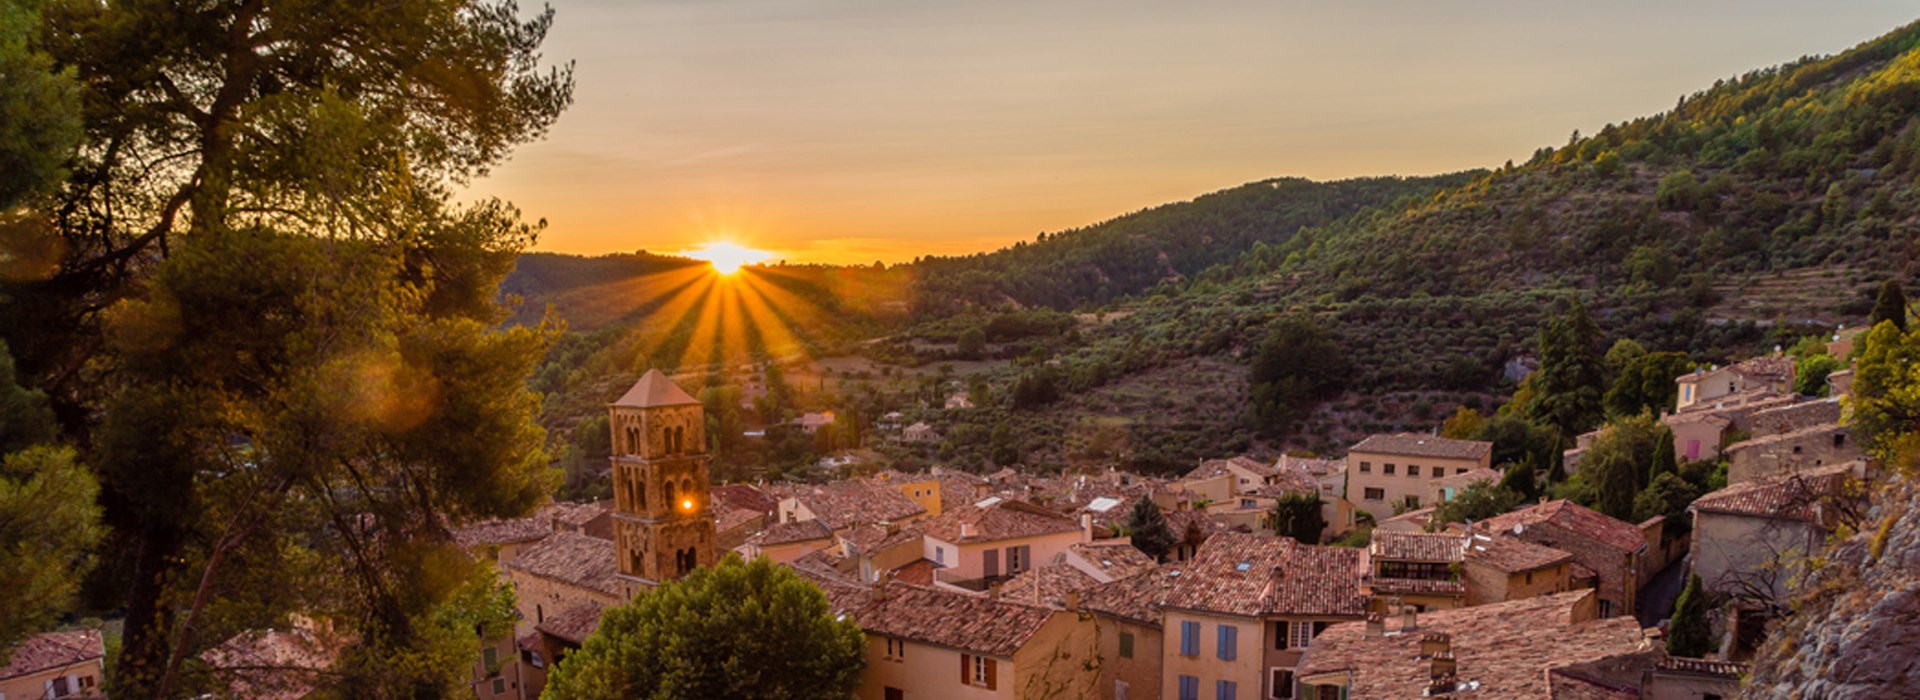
(1102, 504)
(1242, 566)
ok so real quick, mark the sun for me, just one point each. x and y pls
(726, 257)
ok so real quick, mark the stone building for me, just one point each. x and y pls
(1752, 538)
(663, 523)
(1612, 550)
(1801, 450)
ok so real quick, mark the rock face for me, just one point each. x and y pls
(1855, 633)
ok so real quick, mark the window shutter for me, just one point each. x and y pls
(1228, 635)
(993, 563)
(966, 669)
(991, 680)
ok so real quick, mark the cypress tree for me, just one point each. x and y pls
(1891, 306)
(1151, 534)
(1665, 460)
(1689, 634)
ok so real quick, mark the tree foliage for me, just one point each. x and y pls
(1646, 384)
(1689, 634)
(1615, 468)
(1885, 405)
(1150, 532)
(1297, 515)
(1890, 306)
(1570, 383)
(1478, 501)
(736, 630)
(48, 521)
(272, 329)
(1297, 364)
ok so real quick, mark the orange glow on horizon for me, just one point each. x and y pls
(727, 258)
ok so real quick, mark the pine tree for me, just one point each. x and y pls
(1571, 379)
(1689, 634)
(1297, 515)
(1151, 534)
(1891, 306)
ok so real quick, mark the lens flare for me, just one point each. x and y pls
(725, 257)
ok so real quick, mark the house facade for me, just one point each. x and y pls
(1611, 549)
(1752, 539)
(55, 665)
(1389, 470)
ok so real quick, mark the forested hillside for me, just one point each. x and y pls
(1130, 254)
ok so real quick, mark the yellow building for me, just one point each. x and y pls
(54, 665)
(1399, 469)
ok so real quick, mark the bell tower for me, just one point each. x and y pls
(663, 524)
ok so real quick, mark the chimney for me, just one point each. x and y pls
(879, 592)
(966, 530)
(1443, 666)
(1407, 619)
(1376, 625)
(1086, 526)
(1073, 601)
(1436, 643)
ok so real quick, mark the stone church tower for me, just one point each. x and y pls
(662, 520)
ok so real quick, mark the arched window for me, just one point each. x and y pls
(679, 440)
(639, 494)
(669, 494)
(686, 488)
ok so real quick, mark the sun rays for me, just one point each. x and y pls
(707, 318)
(727, 258)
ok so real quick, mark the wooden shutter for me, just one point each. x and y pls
(991, 680)
(966, 670)
(993, 563)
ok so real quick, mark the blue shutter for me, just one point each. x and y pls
(1228, 635)
(1190, 638)
(1224, 690)
(1189, 688)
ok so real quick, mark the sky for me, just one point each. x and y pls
(850, 131)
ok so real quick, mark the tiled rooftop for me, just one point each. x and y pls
(655, 389)
(1571, 516)
(1788, 496)
(575, 624)
(52, 650)
(789, 533)
(502, 531)
(1422, 445)
(272, 664)
(1047, 585)
(1114, 559)
(1253, 575)
(1436, 547)
(843, 504)
(1512, 554)
(572, 558)
(1415, 586)
(978, 624)
(1005, 520)
(1136, 598)
(746, 497)
(1507, 648)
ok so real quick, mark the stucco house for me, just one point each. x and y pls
(1751, 539)
(1612, 550)
(1239, 614)
(1388, 469)
(54, 665)
(1417, 569)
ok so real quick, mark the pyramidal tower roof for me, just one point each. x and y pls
(655, 389)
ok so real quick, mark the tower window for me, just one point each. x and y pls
(669, 494)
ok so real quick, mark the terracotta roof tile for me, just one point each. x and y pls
(1005, 520)
(1507, 648)
(498, 532)
(1414, 586)
(272, 664)
(1417, 546)
(575, 624)
(572, 558)
(1113, 559)
(1788, 496)
(1136, 598)
(992, 627)
(1513, 555)
(52, 650)
(1422, 445)
(745, 497)
(843, 504)
(918, 572)
(1047, 585)
(1254, 575)
(789, 533)
(1574, 517)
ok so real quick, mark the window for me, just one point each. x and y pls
(897, 649)
(1529, 578)
(1413, 470)
(1282, 683)
(1224, 690)
(1018, 559)
(1606, 608)
(1386, 469)
(490, 659)
(539, 615)
(977, 671)
(1190, 638)
(499, 686)
(1376, 494)
(1299, 634)
(1366, 467)
(1126, 645)
(1460, 470)
(1189, 688)
(59, 688)
(1248, 503)
(1228, 638)
(940, 555)
(1413, 502)
(893, 693)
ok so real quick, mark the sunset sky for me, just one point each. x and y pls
(852, 131)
